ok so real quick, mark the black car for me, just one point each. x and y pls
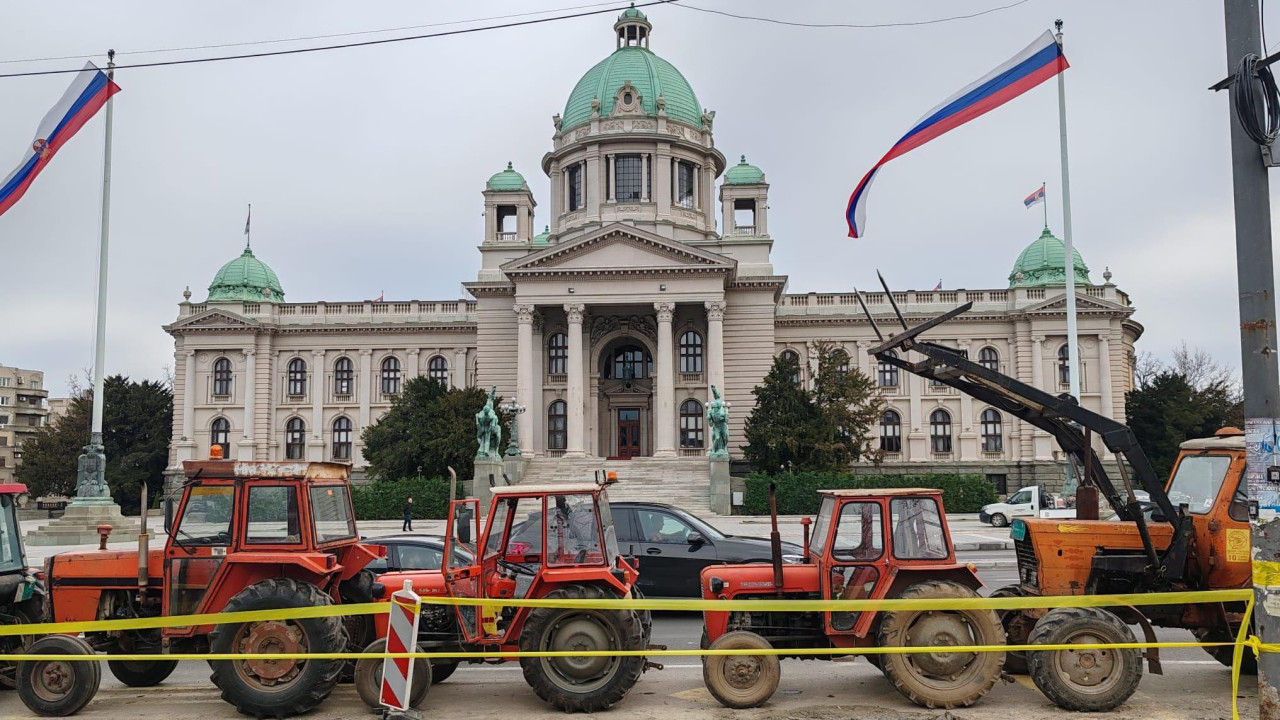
(673, 545)
(413, 552)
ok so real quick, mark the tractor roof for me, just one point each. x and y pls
(879, 492)
(1221, 441)
(545, 489)
(246, 469)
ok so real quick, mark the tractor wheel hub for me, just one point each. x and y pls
(54, 680)
(580, 634)
(742, 671)
(272, 638)
(940, 629)
(1086, 667)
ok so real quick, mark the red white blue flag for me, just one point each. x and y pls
(1038, 62)
(89, 91)
(1034, 198)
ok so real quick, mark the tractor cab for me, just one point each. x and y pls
(536, 538)
(13, 559)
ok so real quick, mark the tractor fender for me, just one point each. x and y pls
(901, 578)
(1133, 616)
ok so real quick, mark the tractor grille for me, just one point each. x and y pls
(1028, 568)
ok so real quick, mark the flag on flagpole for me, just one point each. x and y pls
(379, 298)
(938, 287)
(248, 218)
(1038, 62)
(89, 91)
(1034, 198)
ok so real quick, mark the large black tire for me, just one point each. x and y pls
(58, 688)
(582, 684)
(277, 688)
(369, 677)
(646, 616)
(1084, 680)
(440, 671)
(142, 673)
(1225, 653)
(942, 679)
(741, 681)
(23, 615)
(1017, 628)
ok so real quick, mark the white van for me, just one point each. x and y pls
(1031, 501)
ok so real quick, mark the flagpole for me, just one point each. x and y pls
(1044, 195)
(1073, 361)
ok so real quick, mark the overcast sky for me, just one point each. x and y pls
(365, 166)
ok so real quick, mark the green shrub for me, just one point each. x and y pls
(798, 493)
(384, 499)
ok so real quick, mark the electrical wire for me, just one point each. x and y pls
(792, 23)
(1256, 100)
(342, 46)
(312, 37)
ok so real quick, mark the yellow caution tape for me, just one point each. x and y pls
(1266, 572)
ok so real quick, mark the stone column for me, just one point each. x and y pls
(609, 178)
(574, 444)
(459, 375)
(715, 345)
(413, 367)
(811, 350)
(644, 177)
(364, 391)
(524, 377)
(664, 386)
(968, 437)
(708, 197)
(189, 396)
(1041, 446)
(1104, 374)
(245, 448)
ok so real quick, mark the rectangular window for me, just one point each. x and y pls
(4, 382)
(331, 512)
(4, 441)
(273, 516)
(629, 177)
(575, 199)
(684, 184)
(858, 533)
(1197, 480)
(5, 400)
(917, 529)
(33, 421)
(4, 419)
(206, 519)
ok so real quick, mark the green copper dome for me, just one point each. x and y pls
(744, 173)
(506, 181)
(1042, 263)
(632, 13)
(245, 279)
(543, 237)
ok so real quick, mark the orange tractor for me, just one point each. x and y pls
(553, 542)
(21, 593)
(866, 544)
(245, 536)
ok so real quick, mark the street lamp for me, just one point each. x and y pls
(513, 410)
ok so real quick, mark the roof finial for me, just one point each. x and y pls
(742, 160)
(509, 165)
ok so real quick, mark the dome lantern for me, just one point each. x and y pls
(632, 28)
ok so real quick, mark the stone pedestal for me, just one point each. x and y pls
(478, 486)
(79, 525)
(514, 466)
(721, 493)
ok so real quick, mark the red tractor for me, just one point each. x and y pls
(245, 536)
(553, 542)
(866, 544)
(21, 593)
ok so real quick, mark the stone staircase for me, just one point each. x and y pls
(684, 482)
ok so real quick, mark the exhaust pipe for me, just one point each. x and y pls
(805, 522)
(143, 546)
(775, 539)
(453, 486)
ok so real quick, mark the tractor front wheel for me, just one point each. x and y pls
(1017, 628)
(440, 671)
(582, 683)
(741, 681)
(58, 688)
(941, 679)
(1086, 680)
(369, 677)
(141, 673)
(13, 644)
(277, 688)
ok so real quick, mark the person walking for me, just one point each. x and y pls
(408, 516)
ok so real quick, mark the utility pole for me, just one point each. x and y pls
(1258, 366)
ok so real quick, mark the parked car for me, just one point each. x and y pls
(412, 552)
(673, 546)
(1035, 501)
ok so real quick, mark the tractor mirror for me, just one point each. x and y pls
(168, 514)
(462, 526)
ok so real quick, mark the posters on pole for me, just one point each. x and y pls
(1262, 451)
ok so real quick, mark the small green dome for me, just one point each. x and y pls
(744, 173)
(1042, 264)
(543, 237)
(632, 13)
(245, 279)
(506, 181)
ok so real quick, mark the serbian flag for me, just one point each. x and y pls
(88, 93)
(1038, 62)
(1034, 198)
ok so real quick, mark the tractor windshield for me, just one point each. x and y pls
(573, 531)
(1197, 481)
(206, 519)
(11, 557)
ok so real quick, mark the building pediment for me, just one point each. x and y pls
(212, 320)
(1084, 304)
(619, 249)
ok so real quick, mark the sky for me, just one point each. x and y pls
(365, 166)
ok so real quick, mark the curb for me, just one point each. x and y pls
(984, 545)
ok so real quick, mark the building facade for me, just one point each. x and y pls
(23, 411)
(651, 284)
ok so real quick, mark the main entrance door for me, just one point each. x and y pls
(628, 432)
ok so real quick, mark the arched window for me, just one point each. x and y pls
(220, 435)
(297, 377)
(888, 374)
(891, 431)
(557, 425)
(691, 424)
(558, 354)
(344, 377)
(222, 377)
(1064, 366)
(989, 359)
(992, 431)
(940, 431)
(438, 369)
(790, 356)
(295, 439)
(629, 362)
(690, 352)
(342, 438)
(391, 376)
(841, 359)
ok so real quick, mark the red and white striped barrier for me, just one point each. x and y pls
(402, 637)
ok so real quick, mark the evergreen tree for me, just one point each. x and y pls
(1168, 409)
(429, 426)
(847, 407)
(779, 432)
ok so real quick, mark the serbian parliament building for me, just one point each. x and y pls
(612, 324)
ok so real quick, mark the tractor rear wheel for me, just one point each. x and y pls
(1017, 628)
(141, 673)
(1095, 680)
(58, 688)
(941, 679)
(440, 671)
(12, 644)
(277, 688)
(369, 677)
(582, 684)
(741, 681)
(1225, 653)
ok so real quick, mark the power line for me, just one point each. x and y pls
(793, 23)
(342, 46)
(311, 37)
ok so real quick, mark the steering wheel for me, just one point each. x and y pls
(516, 569)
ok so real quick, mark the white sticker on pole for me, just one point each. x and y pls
(402, 636)
(1262, 461)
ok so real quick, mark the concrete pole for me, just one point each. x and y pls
(1256, 281)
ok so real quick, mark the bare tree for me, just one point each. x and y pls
(1202, 371)
(1145, 368)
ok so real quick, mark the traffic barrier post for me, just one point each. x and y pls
(402, 637)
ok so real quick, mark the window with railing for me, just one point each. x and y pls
(992, 431)
(558, 354)
(691, 428)
(690, 352)
(557, 425)
(343, 377)
(891, 432)
(222, 377)
(297, 380)
(342, 438)
(391, 376)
